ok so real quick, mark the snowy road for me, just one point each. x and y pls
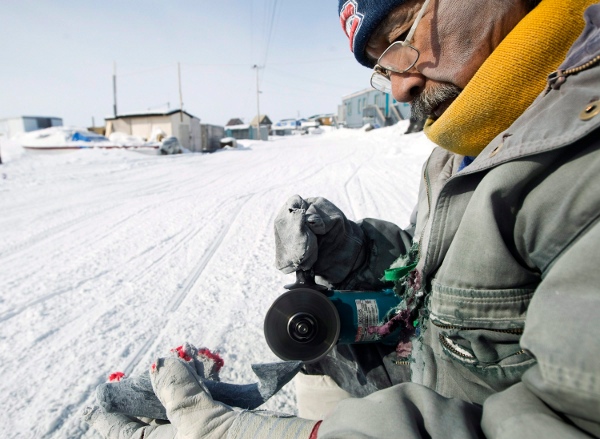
(110, 258)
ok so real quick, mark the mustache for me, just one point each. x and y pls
(424, 104)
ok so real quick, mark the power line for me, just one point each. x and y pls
(270, 32)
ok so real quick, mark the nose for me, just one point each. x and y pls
(407, 86)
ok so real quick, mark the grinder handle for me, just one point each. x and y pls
(306, 279)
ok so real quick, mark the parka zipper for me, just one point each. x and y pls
(557, 78)
(447, 345)
(455, 351)
(427, 191)
(461, 328)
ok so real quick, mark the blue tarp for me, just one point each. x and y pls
(88, 137)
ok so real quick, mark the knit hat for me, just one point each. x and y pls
(360, 18)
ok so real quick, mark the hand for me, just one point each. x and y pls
(314, 233)
(134, 396)
(193, 413)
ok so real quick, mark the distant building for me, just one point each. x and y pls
(187, 128)
(15, 125)
(328, 119)
(248, 131)
(234, 121)
(245, 131)
(371, 106)
(264, 121)
(285, 127)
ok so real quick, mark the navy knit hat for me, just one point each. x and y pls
(360, 18)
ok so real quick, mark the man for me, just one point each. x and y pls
(501, 298)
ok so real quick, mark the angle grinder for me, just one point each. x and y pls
(307, 321)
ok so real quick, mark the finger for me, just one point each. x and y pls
(114, 425)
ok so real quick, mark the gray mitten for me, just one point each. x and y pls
(314, 233)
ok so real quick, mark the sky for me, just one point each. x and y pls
(112, 257)
(59, 58)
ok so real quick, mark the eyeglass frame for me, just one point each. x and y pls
(385, 72)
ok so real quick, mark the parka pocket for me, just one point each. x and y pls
(495, 356)
(479, 331)
(502, 309)
(482, 346)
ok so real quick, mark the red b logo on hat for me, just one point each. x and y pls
(351, 20)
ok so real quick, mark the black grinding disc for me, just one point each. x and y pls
(302, 324)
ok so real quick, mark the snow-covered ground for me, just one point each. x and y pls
(110, 258)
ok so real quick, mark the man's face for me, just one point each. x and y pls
(454, 38)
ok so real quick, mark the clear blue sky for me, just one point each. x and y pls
(57, 58)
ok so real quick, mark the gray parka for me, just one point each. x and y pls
(510, 270)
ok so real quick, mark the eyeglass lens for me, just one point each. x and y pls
(399, 58)
(381, 83)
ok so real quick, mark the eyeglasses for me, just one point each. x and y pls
(399, 57)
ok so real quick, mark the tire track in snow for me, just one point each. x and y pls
(190, 281)
(303, 175)
(7, 315)
(147, 271)
(126, 194)
(350, 179)
(88, 220)
(187, 285)
(171, 307)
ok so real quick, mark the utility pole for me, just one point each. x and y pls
(180, 94)
(257, 103)
(115, 88)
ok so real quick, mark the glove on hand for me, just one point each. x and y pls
(193, 413)
(134, 396)
(314, 233)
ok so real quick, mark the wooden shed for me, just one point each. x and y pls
(177, 123)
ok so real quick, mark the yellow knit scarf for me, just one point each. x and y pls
(511, 78)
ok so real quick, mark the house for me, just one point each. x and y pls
(245, 131)
(238, 130)
(285, 127)
(371, 106)
(323, 119)
(175, 123)
(234, 121)
(264, 121)
(16, 125)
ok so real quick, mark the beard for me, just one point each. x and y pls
(424, 104)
